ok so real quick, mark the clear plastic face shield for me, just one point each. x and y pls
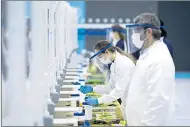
(99, 54)
(99, 59)
(136, 36)
(109, 35)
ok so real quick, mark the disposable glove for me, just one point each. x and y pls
(86, 89)
(87, 97)
(91, 101)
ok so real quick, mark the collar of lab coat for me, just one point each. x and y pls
(144, 53)
(162, 39)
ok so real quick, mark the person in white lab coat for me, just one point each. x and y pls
(150, 99)
(122, 68)
(118, 37)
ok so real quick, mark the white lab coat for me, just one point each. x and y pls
(150, 99)
(120, 77)
(103, 68)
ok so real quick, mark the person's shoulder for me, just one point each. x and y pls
(160, 57)
(159, 54)
(120, 43)
(159, 50)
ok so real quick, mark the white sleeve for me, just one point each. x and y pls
(160, 88)
(123, 75)
(102, 89)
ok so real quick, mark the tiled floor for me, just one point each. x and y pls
(182, 114)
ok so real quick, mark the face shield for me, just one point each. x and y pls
(136, 36)
(109, 35)
(95, 58)
(98, 54)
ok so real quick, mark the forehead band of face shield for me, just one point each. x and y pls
(102, 50)
(145, 26)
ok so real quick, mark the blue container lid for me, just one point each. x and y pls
(79, 114)
(75, 95)
(76, 83)
(81, 80)
(84, 65)
(86, 123)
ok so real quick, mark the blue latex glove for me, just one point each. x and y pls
(91, 101)
(86, 98)
(86, 89)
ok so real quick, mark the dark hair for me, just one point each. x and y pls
(117, 28)
(163, 31)
(103, 43)
(156, 34)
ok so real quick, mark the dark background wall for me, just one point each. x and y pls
(176, 16)
(119, 9)
(115, 9)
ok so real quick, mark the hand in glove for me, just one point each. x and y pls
(86, 89)
(87, 97)
(91, 101)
